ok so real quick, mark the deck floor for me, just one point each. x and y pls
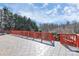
(15, 46)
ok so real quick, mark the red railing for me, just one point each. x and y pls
(77, 41)
(68, 39)
(36, 35)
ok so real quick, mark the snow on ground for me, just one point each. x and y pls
(15, 46)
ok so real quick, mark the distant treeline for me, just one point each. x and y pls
(68, 27)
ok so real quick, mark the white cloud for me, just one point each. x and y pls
(77, 6)
(31, 4)
(37, 16)
(53, 11)
(44, 5)
(24, 13)
(58, 6)
(69, 10)
(70, 14)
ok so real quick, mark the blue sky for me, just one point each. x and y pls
(46, 12)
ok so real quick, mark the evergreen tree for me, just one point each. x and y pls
(18, 21)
